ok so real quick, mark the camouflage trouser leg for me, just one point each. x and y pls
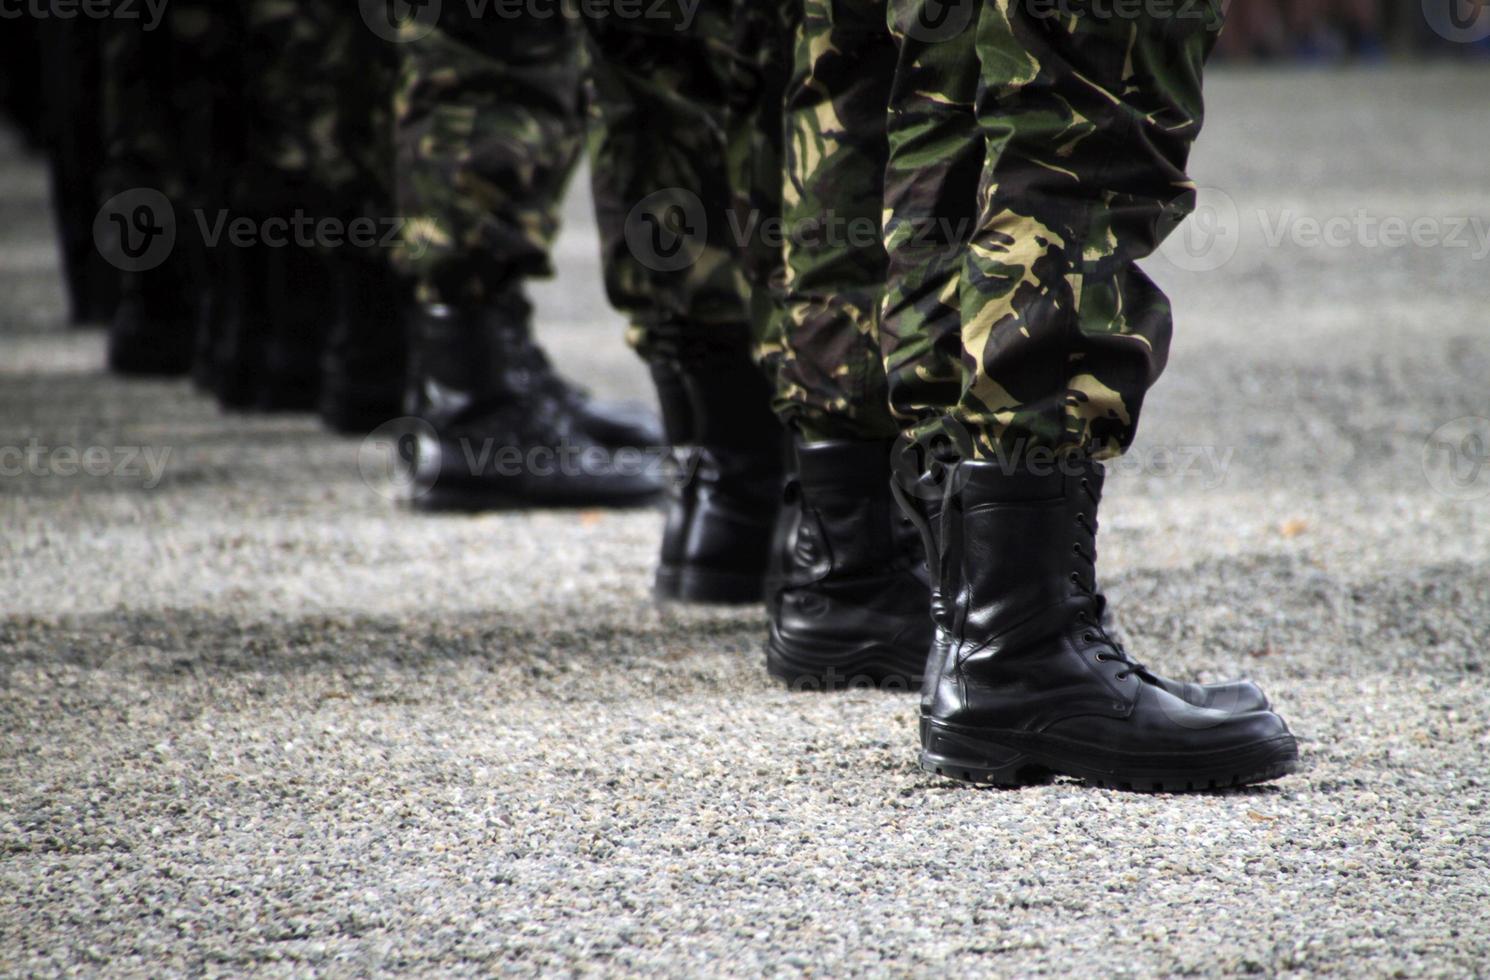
(1088, 116)
(489, 130)
(659, 144)
(830, 381)
(764, 39)
(931, 197)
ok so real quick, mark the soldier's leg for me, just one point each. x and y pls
(489, 131)
(71, 85)
(1087, 128)
(850, 608)
(1087, 118)
(661, 140)
(365, 365)
(143, 142)
(931, 194)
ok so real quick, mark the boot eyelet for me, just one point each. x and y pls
(1091, 637)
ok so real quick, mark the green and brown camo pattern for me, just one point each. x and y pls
(1087, 122)
(660, 146)
(830, 382)
(489, 129)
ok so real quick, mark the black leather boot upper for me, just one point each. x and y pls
(152, 329)
(1028, 682)
(498, 434)
(850, 602)
(366, 361)
(727, 463)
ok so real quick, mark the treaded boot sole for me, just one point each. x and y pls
(683, 583)
(844, 666)
(1012, 759)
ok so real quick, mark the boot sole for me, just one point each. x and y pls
(473, 501)
(1015, 759)
(843, 667)
(703, 586)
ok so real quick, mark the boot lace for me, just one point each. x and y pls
(1090, 616)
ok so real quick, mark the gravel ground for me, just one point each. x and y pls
(252, 718)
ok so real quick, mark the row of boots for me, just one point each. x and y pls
(972, 582)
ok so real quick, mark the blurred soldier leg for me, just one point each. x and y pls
(279, 300)
(1086, 124)
(23, 66)
(661, 147)
(366, 361)
(71, 87)
(145, 145)
(489, 128)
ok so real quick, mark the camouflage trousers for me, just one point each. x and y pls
(317, 110)
(668, 151)
(1025, 163)
(489, 129)
(1084, 115)
(825, 354)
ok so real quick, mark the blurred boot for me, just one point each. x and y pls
(151, 333)
(497, 435)
(725, 491)
(238, 353)
(365, 365)
(302, 307)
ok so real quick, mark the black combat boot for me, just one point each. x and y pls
(496, 434)
(233, 358)
(151, 333)
(302, 307)
(1238, 696)
(852, 604)
(1026, 683)
(728, 471)
(365, 365)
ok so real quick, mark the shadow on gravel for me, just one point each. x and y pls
(690, 650)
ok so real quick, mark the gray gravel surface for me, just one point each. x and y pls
(254, 719)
